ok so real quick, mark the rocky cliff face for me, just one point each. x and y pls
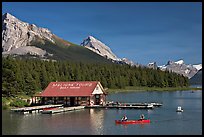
(152, 65)
(103, 50)
(98, 47)
(17, 35)
(180, 67)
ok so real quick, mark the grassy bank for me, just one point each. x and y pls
(13, 102)
(135, 89)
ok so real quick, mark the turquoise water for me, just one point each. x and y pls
(164, 120)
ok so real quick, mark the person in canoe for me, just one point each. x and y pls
(142, 117)
(124, 118)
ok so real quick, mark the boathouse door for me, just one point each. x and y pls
(97, 99)
(72, 99)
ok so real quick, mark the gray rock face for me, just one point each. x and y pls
(152, 65)
(99, 48)
(17, 34)
(180, 67)
(26, 50)
(130, 62)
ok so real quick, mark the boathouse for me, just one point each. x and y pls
(82, 93)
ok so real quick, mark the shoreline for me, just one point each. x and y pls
(136, 89)
(6, 103)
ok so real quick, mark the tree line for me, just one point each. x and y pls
(28, 76)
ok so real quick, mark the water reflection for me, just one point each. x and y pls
(164, 120)
(97, 121)
(7, 127)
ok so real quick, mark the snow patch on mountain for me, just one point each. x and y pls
(152, 65)
(180, 67)
(198, 66)
(179, 62)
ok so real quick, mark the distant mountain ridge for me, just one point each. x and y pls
(180, 67)
(21, 39)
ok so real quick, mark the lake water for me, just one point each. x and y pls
(164, 120)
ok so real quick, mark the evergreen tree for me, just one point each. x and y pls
(27, 76)
(44, 77)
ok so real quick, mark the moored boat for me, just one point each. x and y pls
(139, 121)
(179, 109)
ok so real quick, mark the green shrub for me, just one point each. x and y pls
(4, 100)
(19, 103)
(5, 107)
(5, 103)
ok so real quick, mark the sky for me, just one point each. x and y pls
(143, 32)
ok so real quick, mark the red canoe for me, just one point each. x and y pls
(133, 121)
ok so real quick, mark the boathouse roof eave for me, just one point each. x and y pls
(72, 88)
(104, 92)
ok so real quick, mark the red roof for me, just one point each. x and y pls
(63, 89)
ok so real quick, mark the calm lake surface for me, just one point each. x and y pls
(164, 120)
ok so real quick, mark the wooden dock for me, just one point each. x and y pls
(127, 105)
(51, 109)
(121, 107)
(60, 110)
(35, 109)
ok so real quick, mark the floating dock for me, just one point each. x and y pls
(51, 109)
(127, 105)
(59, 110)
(35, 109)
(121, 107)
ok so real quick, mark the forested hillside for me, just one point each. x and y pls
(28, 76)
(196, 79)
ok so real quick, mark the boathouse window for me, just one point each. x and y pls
(49, 98)
(97, 96)
(83, 101)
(83, 98)
(60, 100)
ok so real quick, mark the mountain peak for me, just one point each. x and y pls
(7, 15)
(180, 67)
(98, 47)
(198, 66)
(22, 39)
(152, 65)
(91, 37)
(179, 61)
(17, 34)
